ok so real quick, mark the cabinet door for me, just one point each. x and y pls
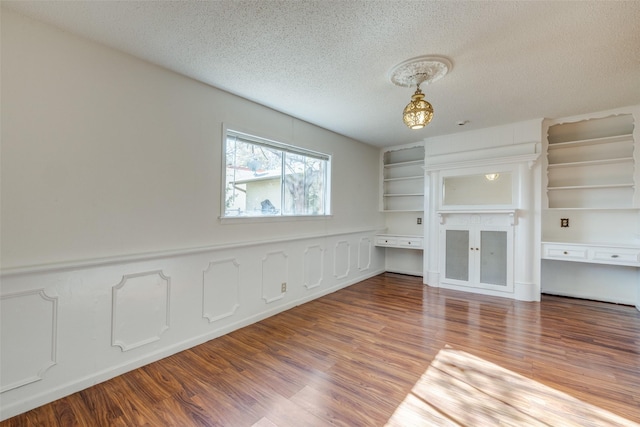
(493, 257)
(457, 255)
(479, 257)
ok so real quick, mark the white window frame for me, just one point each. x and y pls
(279, 146)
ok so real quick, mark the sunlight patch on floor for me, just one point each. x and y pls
(461, 389)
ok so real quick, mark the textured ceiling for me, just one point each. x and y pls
(327, 62)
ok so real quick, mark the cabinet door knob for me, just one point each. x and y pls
(615, 256)
(566, 253)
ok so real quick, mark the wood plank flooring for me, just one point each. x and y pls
(354, 357)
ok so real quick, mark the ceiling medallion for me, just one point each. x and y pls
(414, 72)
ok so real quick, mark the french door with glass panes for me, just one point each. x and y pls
(478, 256)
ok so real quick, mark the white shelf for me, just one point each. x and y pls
(594, 209)
(592, 141)
(404, 178)
(402, 164)
(591, 162)
(403, 194)
(587, 187)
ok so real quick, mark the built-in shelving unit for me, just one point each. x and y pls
(403, 180)
(591, 218)
(591, 173)
(402, 190)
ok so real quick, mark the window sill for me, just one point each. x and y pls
(267, 219)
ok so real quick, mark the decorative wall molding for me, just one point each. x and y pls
(485, 215)
(527, 152)
(27, 355)
(313, 266)
(341, 259)
(140, 309)
(92, 303)
(364, 253)
(220, 289)
(147, 256)
(275, 268)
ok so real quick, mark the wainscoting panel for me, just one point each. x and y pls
(313, 266)
(364, 253)
(27, 356)
(341, 259)
(220, 289)
(274, 276)
(66, 327)
(140, 309)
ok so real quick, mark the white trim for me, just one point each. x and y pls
(244, 220)
(486, 157)
(145, 256)
(70, 387)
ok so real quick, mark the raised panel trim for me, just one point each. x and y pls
(367, 241)
(235, 307)
(115, 340)
(335, 260)
(39, 375)
(266, 298)
(321, 278)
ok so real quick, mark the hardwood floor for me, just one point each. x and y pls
(353, 357)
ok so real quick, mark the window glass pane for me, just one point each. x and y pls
(253, 179)
(304, 185)
(265, 178)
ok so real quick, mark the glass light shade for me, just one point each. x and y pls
(418, 113)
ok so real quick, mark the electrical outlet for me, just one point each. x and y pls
(283, 288)
(419, 221)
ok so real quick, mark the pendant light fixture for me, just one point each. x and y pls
(414, 72)
(418, 113)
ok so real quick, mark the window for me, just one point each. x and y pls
(268, 178)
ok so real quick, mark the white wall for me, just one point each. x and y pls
(104, 154)
(110, 186)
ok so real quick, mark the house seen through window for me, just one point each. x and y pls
(268, 178)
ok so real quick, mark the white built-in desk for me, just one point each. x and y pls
(616, 254)
(399, 241)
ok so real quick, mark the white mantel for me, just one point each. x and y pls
(513, 150)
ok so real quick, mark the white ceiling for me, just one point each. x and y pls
(327, 62)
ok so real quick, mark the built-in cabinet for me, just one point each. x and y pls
(591, 212)
(480, 235)
(402, 200)
(542, 206)
(477, 255)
